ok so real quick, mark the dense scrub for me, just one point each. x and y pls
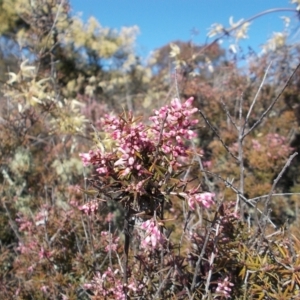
(119, 181)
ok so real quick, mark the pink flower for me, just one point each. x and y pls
(86, 157)
(177, 128)
(207, 164)
(44, 289)
(109, 218)
(89, 207)
(107, 285)
(203, 199)
(110, 240)
(224, 288)
(154, 236)
(256, 145)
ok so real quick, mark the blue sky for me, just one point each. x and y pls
(163, 21)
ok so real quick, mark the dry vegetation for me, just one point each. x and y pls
(203, 207)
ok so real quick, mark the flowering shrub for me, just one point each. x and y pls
(138, 166)
(144, 157)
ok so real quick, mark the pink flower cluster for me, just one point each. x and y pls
(135, 143)
(204, 199)
(277, 146)
(24, 223)
(224, 288)
(100, 160)
(274, 145)
(177, 126)
(107, 285)
(110, 285)
(110, 241)
(256, 145)
(31, 247)
(154, 237)
(132, 141)
(89, 207)
(40, 218)
(44, 253)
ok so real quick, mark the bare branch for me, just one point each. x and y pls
(229, 115)
(241, 159)
(229, 184)
(216, 133)
(197, 268)
(157, 295)
(211, 262)
(226, 32)
(272, 104)
(278, 194)
(176, 84)
(254, 100)
(197, 158)
(277, 179)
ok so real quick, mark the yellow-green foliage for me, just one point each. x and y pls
(67, 169)
(21, 163)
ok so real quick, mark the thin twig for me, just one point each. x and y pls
(176, 85)
(272, 104)
(216, 133)
(226, 32)
(228, 114)
(159, 143)
(255, 98)
(110, 244)
(290, 244)
(12, 223)
(229, 184)
(126, 252)
(211, 261)
(162, 284)
(241, 159)
(197, 158)
(278, 194)
(262, 224)
(197, 268)
(277, 179)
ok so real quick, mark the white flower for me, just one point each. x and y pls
(209, 64)
(215, 29)
(240, 28)
(175, 50)
(232, 24)
(241, 32)
(276, 41)
(297, 2)
(12, 78)
(27, 71)
(286, 21)
(232, 47)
